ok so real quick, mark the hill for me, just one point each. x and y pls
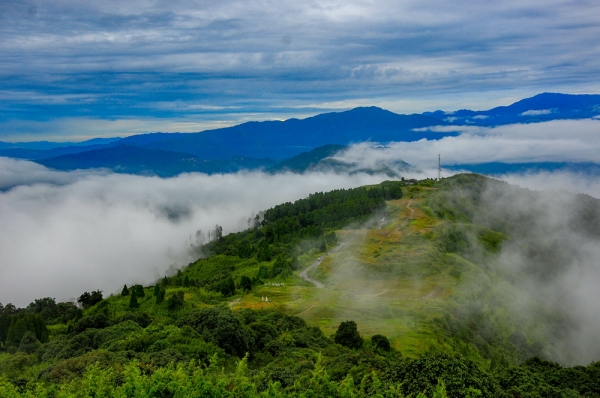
(417, 299)
(539, 108)
(136, 160)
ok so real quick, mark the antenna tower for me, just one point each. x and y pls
(439, 167)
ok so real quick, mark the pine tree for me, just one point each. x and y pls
(186, 281)
(160, 297)
(139, 291)
(125, 291)
(133, 303)
(156, 290)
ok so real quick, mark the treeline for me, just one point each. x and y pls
(314, 218)
(221, 353)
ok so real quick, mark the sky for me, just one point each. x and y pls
(73, 70)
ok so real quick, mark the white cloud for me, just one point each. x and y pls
(537, 112)
(554, 141)
(65, 233)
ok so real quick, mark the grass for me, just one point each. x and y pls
(390, 281)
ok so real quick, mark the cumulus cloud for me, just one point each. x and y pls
(64, 233)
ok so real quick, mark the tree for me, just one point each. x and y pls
(133, 302)
(88, 300)
(156, 291)
(218, 232)
(380, 342)
(17, 330)
(186, 281)
(176, 301)
(347, 335)
(139, 291)
(29, 344)
(246, 283)
(125, 291)
(160, 297)
(227, 287)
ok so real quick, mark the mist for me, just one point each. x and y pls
(553, 261)
(65, 233)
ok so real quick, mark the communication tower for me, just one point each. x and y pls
(439, 167)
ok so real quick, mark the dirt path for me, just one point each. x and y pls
(316, 263)
(309, 308)
(412, 211)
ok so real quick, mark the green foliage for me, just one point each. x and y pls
(218, 325)
(125, 291)
(88, 300)
(160, 294)
(133, 301)
(176, 301)
(347, 335)
(380, 342)
(227, 287)
(245, 283)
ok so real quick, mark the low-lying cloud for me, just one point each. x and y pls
(65, 233)
(554, 141)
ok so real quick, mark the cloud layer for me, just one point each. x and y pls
(64, 233)
(207, 63)
(555, 141)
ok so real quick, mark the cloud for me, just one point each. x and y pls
(552, 260)
(537, 112)
(67, 59)
(64, 233)
(518, 143)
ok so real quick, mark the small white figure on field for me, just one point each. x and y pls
(263, 298)
(266, 299)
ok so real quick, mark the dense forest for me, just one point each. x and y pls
(185, 337)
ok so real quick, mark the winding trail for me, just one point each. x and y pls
(316, 263)
(412, 211)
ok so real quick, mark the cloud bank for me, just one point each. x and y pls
(554, 141)
(64, 233)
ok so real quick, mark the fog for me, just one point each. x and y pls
(553, 259)
(554, 141)
(65, 233)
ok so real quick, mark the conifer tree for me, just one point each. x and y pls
(133, 302)
(125, 291)
(160, 297)
(139, 291)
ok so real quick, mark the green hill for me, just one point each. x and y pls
(417, 302)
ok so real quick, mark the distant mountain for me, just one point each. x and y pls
(280, 140)
(251, 145)
(307, 160)
(134, 160)
(540, 108)
(38, 154)
(319, 159)
(46, 145)
(497, 168)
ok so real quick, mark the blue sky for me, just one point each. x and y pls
(73, 70)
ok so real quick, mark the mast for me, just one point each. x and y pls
(439, 167)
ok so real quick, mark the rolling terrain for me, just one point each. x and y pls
(404, 286)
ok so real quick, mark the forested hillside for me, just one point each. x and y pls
(416, 303)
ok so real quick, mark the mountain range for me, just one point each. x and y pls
(276, 145)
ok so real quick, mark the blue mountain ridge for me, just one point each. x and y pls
(254, 145)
